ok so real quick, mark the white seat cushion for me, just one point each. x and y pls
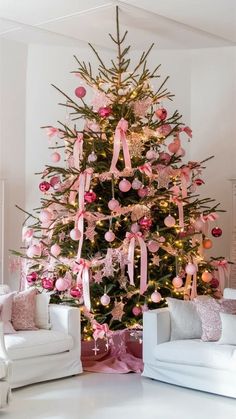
(33, 343)
(198, 353)
(3, 369)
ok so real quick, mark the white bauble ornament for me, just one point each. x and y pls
(169, 221)
(34, 251)
(136, 184)
(92, 157)
(110, 236)
(45, 216)
(190, 269)
(55, 250)
(105, 300)
(75, 234)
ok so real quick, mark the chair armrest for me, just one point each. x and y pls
(156, 330)
(66, 319)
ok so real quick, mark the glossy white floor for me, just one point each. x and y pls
(100, 396)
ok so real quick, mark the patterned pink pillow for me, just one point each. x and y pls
(6, 312)
(23, 310)
(209, 312)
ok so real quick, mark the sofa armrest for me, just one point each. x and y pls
(156, 330)
(4, 354)
(66, 319)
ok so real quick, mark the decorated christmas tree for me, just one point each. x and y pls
(121, 224)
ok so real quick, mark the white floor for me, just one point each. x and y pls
(106, 396)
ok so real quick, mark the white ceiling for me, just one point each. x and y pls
(170, 23)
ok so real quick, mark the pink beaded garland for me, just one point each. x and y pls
(124, 185)
(80, 92)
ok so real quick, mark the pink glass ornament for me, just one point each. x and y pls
(32, 277)
(90, 197)
(165, 157)
(56, 157)
(156, 297)
(124, 185)
(80, 92)
(75, 234)
(110, 236)
(145, 223)
(214, 283)
(161, 113)
(190, 269)
(45, 216)
(216, 232)
(153, 246)
(54, 180)
(34, 251)
(206, 276)
(105, 111)
(92, 157)
(105, 300)
(142, 192)
(76, 292)
(136, 311)
(44, 186)
(177, 282)
(48, 283)
(169, 221)
(136, 184)
(61, 284)
(151, 154)
(113, 204)
(135, 228)
(55, 250)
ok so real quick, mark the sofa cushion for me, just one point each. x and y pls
(184, 319)
(198, 353)
(33, 343)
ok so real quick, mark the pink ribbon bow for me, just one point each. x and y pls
(213, 216)
(143, 269)
(146, 169)
(78, 150)
(100, 330)
(120, 139)
(83, 278)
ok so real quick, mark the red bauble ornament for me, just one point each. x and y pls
(105, 111)
(32, 277)
(216, 232)
(48, 283)
(207, 244)
(80, 92)
(44, 186)
(214, 283)
(90, 197)
(199, 182)
(161, 113)
(76, 292)
(145, 223)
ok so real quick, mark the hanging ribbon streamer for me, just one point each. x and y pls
(143, 262)
(83, 278)
(120, 139)
(213, 216)
(193, 293)
(78, 151)
(187, 287)
(185, 178)
(223, 273)
(181, 214)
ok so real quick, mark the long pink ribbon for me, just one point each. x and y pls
(83, 278)
(223, 273)
(78, 150)
(143, 262)
(120, 139)
(185, 178)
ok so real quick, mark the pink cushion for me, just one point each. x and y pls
(6, 312)
(209, 311)
(23, 310)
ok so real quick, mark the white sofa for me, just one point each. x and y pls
(5, 369)
(206, 366)
(42, 354)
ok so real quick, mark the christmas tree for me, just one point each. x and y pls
(121, 224)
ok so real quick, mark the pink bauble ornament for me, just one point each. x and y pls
(177, 282)
(56, 157)
(136, 311)
(198, 224)
(145, 223)
(156, 297)
(214, 283)
(76, 292)
(169, 221)
(151, 154)
(161, 113)
(44, 186)
(92, 157)
(110, 236)
(190, 269)
(113, 204)
(142, 192)
(206, 276)
(55, 250)
(32, 277)
(216, 232)
(136, 184)
(90, 197)
(105, 300)
(165, 157)
(45, 216)
(48, 283)
(153, 246)
(80, 92)
(61, 284)
(75, 234)
(54, 180)
(135, 228)
(174, 146)
(124, 185)
(34, 251)
(105, 111)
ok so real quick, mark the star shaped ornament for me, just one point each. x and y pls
(90, 233)
(156, 260)
(118, 312)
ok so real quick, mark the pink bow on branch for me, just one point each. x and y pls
(100, 330)
(213, 216)
(143, 262)
(78, 150)
(120, 139)
(146, 169)
(83, 278)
